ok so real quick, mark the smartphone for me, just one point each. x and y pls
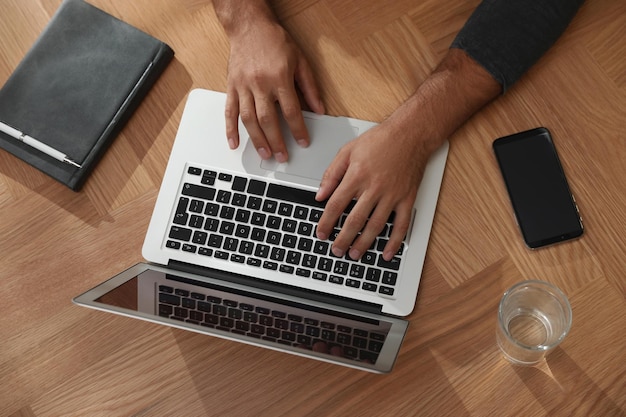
(544, 206)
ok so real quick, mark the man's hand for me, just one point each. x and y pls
(382, 169)
(264, 70)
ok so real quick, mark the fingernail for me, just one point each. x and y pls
(322, 236)
(231, 143)
(280, 157)
(264, 153)
(318, 193)
(388, 255)
(355, 254)
(338, 252)
(303, 143)
(321, 106)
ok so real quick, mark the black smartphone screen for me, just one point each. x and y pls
(545, 209)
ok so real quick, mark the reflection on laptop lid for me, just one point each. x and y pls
(234, 254)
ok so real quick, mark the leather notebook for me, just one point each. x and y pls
(75, 89)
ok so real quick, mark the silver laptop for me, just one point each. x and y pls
(232, 252)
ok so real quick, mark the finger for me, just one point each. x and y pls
(333, 175)
(292, 112)
(334, 208)
(269, 122)
(355, 222)
(375, 224)
(401, 225)
(248, 115)
(336, 351)
(231, 116)
(308, 86)
(336, 205)
(320, 346)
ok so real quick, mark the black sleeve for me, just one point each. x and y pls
(507, 37)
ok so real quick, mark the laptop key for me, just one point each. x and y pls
(353, 283)
(172, 244)
(301, 272)
(256, 187)
(270, 265)
(198, 191)
(196, 221)
(336, 279)
(261, 251)
(320, 276)
(277, 254)
(170, 299)
(239, 183)
(301, 212)
(194, 171)
(165, 310)
(385, 290)
(223, 196)
(254, 203)
(315, 215)
(219, 254)
(305, 244)
(196, 206)
(389, 278)
(294, 195)
(393, 264)
(270, 206)
(253, 262)
(200, 237)
(212, 209)
(180, 233)
(225, 177)
(239, 200)
(293, 257)
(181, 211)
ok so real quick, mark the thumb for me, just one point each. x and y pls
(332, 176)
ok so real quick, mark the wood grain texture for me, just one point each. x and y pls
(57, 359)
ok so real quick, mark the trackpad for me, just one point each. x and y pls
(328, 134)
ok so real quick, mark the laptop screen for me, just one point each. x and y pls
(250, 315)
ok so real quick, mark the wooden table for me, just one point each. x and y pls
(58, 359)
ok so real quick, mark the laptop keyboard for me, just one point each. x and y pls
(270, 324)
(272, 226)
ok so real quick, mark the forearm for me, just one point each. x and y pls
(456, 89)
(238, 16)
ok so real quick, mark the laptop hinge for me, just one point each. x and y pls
(276, 287)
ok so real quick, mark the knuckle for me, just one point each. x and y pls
(344, 239)
(355, 221)
(376, 223)
(290, 111)
(257, 77)
(229, 112)
(247, 116)
(264, 118)
(333, 208)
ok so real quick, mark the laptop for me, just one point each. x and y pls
(231, 249)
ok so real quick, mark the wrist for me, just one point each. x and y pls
(240, 18)
(456, 89)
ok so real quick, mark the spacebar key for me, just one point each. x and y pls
(293, 195)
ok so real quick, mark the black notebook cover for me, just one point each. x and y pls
(77, 86)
